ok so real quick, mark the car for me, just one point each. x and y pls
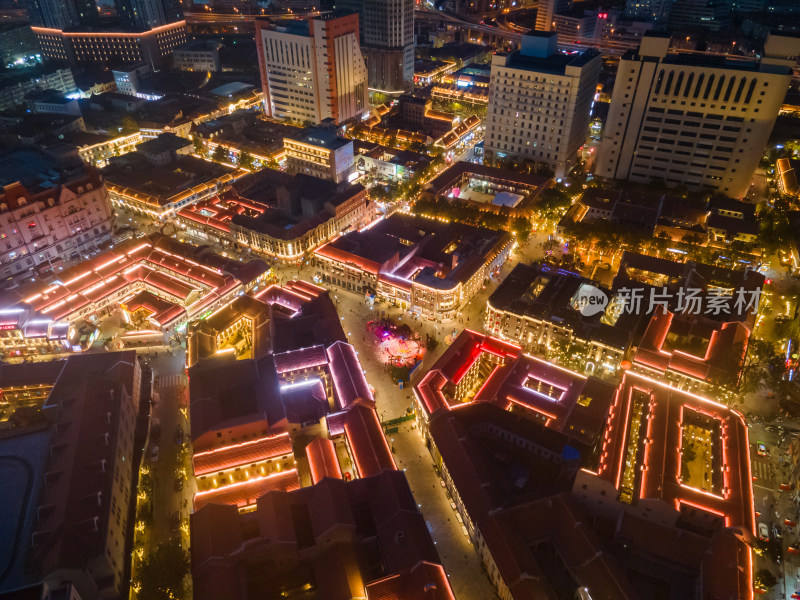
(785, 487)
(789, 523)
(761, 448)
(763, 532)
(794, 548)
(154, 454)
(776, 532)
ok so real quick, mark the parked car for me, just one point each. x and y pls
(776, 532)
(763, 532)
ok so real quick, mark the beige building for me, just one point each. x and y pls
(694, 119)
(52, 208)
(320, 152)
(539, 103)
(312, 71)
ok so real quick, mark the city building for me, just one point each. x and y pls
(712, 15)
(96, 148)
(312, 70)
(501, 191)
(388, 163)
(578, 26)
(656, 11)
(417, 114)
(153, 46)
(674, 474)
(425, 266)
(130, 79)
(74, 473)
(279, 215)
(148, 183)
(546, 11)
(18, 45)
(508, 432)
(16, 85)
(539, 103)
(202, 55)
(694, 119)
(536, 306)
(54, 209)
(144, 15)
(53, 103)
(298, 464)
(320, 152)
(336, 540)
(156, 283)
(387, 41)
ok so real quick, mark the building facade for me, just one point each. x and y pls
(693, 119)
(421, 265)
(44, 223)
(320, 153)
(387, 40)
(312, 71)
(539, 104)
(153, 46)
(201, 56)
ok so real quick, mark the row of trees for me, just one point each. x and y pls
(463, 212)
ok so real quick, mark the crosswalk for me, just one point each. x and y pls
(168, 381)
(761, 470)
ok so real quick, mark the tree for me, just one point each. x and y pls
(245, 160)
(198, 146)
(220, 153)
(764, 579)
(129, 124)
(522, 227)
(163, 574)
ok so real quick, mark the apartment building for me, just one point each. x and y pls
(694, 119)
(52, 208)
(312, 70)
(539, 103)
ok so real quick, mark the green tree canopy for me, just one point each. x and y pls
(163, 574)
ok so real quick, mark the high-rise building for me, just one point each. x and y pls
(705, 14)
(141, 15)
(546, 11)
(655, 11)
(694, 119)
(312, 71)
(539, 103)
(72, 15)
(387, 40)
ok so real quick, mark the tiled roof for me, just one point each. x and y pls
(247, 492)
(304, 358)
(245, 453)
(365, 436)
(348, 375)
(322, 459)
(425, 581)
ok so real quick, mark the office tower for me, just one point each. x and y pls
(655, 11)
(547, 9)
(706, 14)
(311, 71)
(387, 41)
(56, 14)
(141, 15)
(539, 103)
(694, 119)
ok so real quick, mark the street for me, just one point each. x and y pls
(774, 506)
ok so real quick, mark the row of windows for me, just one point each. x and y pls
(687, 86)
